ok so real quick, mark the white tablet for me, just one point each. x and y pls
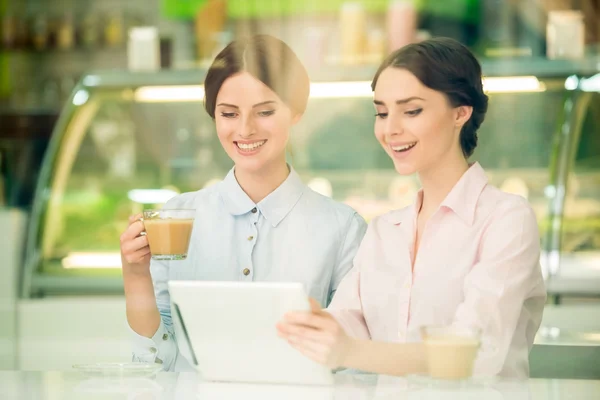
(230, 329)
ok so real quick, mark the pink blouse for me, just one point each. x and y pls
(477, 266)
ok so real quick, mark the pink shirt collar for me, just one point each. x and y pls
(462, 199)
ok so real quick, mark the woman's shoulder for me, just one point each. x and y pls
(495, 203)
(193, 199)
(318, 205)
(325, 203)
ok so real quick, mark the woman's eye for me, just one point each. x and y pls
(266, 113)
(414, 112)
(381, 115)
(228, 115)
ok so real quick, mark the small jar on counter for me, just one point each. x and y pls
(65, 33)
(39, 32)
(401, 23)
(89, 31)
(375, 47)
(143, 49)
(315, 46)
(565, 34)
(113, 30)
(8, 31)
(353, 23)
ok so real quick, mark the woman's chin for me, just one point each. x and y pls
(404, 168)
(250, 165)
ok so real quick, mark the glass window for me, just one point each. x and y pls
(581, 226)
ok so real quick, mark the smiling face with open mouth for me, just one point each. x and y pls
(252, 123)
(414, 124)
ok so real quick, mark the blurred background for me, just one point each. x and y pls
(101, 116)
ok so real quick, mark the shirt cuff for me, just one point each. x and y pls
(153, 350)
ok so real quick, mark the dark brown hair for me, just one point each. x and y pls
(266, 58)
(445, 65)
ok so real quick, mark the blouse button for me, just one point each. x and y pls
(254, 210)
(250, 238)
(246, 271)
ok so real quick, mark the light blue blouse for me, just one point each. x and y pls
(292, 235)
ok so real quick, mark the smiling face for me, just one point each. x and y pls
(252, 123)
(415, 125)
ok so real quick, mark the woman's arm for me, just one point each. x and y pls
(386, 358)
(504, 293)
(142, 314)
(140, 303)
(147, 299)
(318, 335)
(149, 317)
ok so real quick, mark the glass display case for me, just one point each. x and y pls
(128, 141)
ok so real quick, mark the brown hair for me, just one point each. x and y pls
(445, 65)
(269, 60)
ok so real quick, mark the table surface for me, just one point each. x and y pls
(170, 385)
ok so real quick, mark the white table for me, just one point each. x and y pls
(166, 385)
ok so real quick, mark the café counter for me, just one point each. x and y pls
(166, 385)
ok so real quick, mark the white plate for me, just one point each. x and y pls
(118, 370)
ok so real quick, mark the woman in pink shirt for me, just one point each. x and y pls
(463, 254)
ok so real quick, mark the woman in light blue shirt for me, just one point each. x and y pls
(261, 223)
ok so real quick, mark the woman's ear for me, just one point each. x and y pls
(463, 114)
(296, 118)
